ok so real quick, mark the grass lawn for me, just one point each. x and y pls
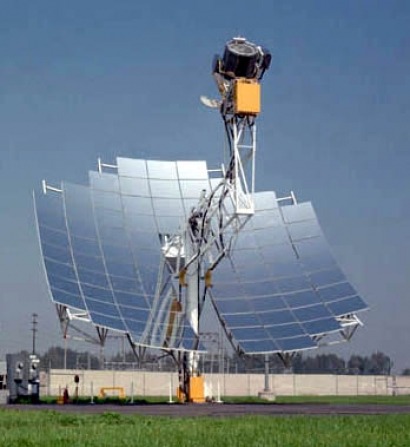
(49, 428)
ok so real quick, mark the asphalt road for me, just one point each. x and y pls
(222, 410)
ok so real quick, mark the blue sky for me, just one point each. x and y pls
(79, 80)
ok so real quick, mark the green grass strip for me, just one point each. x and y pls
(49, 428)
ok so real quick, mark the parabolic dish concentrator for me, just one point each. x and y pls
(148, 247)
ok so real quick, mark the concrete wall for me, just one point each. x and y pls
(140, 383)
(4, 395)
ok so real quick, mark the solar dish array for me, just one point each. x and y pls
(102, 248)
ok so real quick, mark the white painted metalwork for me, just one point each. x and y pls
(291, 198)
(102, 165)
(45, 187)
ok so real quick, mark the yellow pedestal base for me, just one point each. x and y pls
(196, 391)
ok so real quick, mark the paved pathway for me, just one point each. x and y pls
(223, 410)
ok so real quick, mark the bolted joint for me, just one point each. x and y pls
(208, 279)
(182, 278)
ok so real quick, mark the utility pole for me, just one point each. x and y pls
(34, 330)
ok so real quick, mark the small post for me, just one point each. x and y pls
(132, 392)
(34, 330)
(267, 387)
(170, 401)
(60, 396)
(218, 397)
(65, 352)
(267, 392)
(92, 393)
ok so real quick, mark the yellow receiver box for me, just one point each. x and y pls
(247, 97)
